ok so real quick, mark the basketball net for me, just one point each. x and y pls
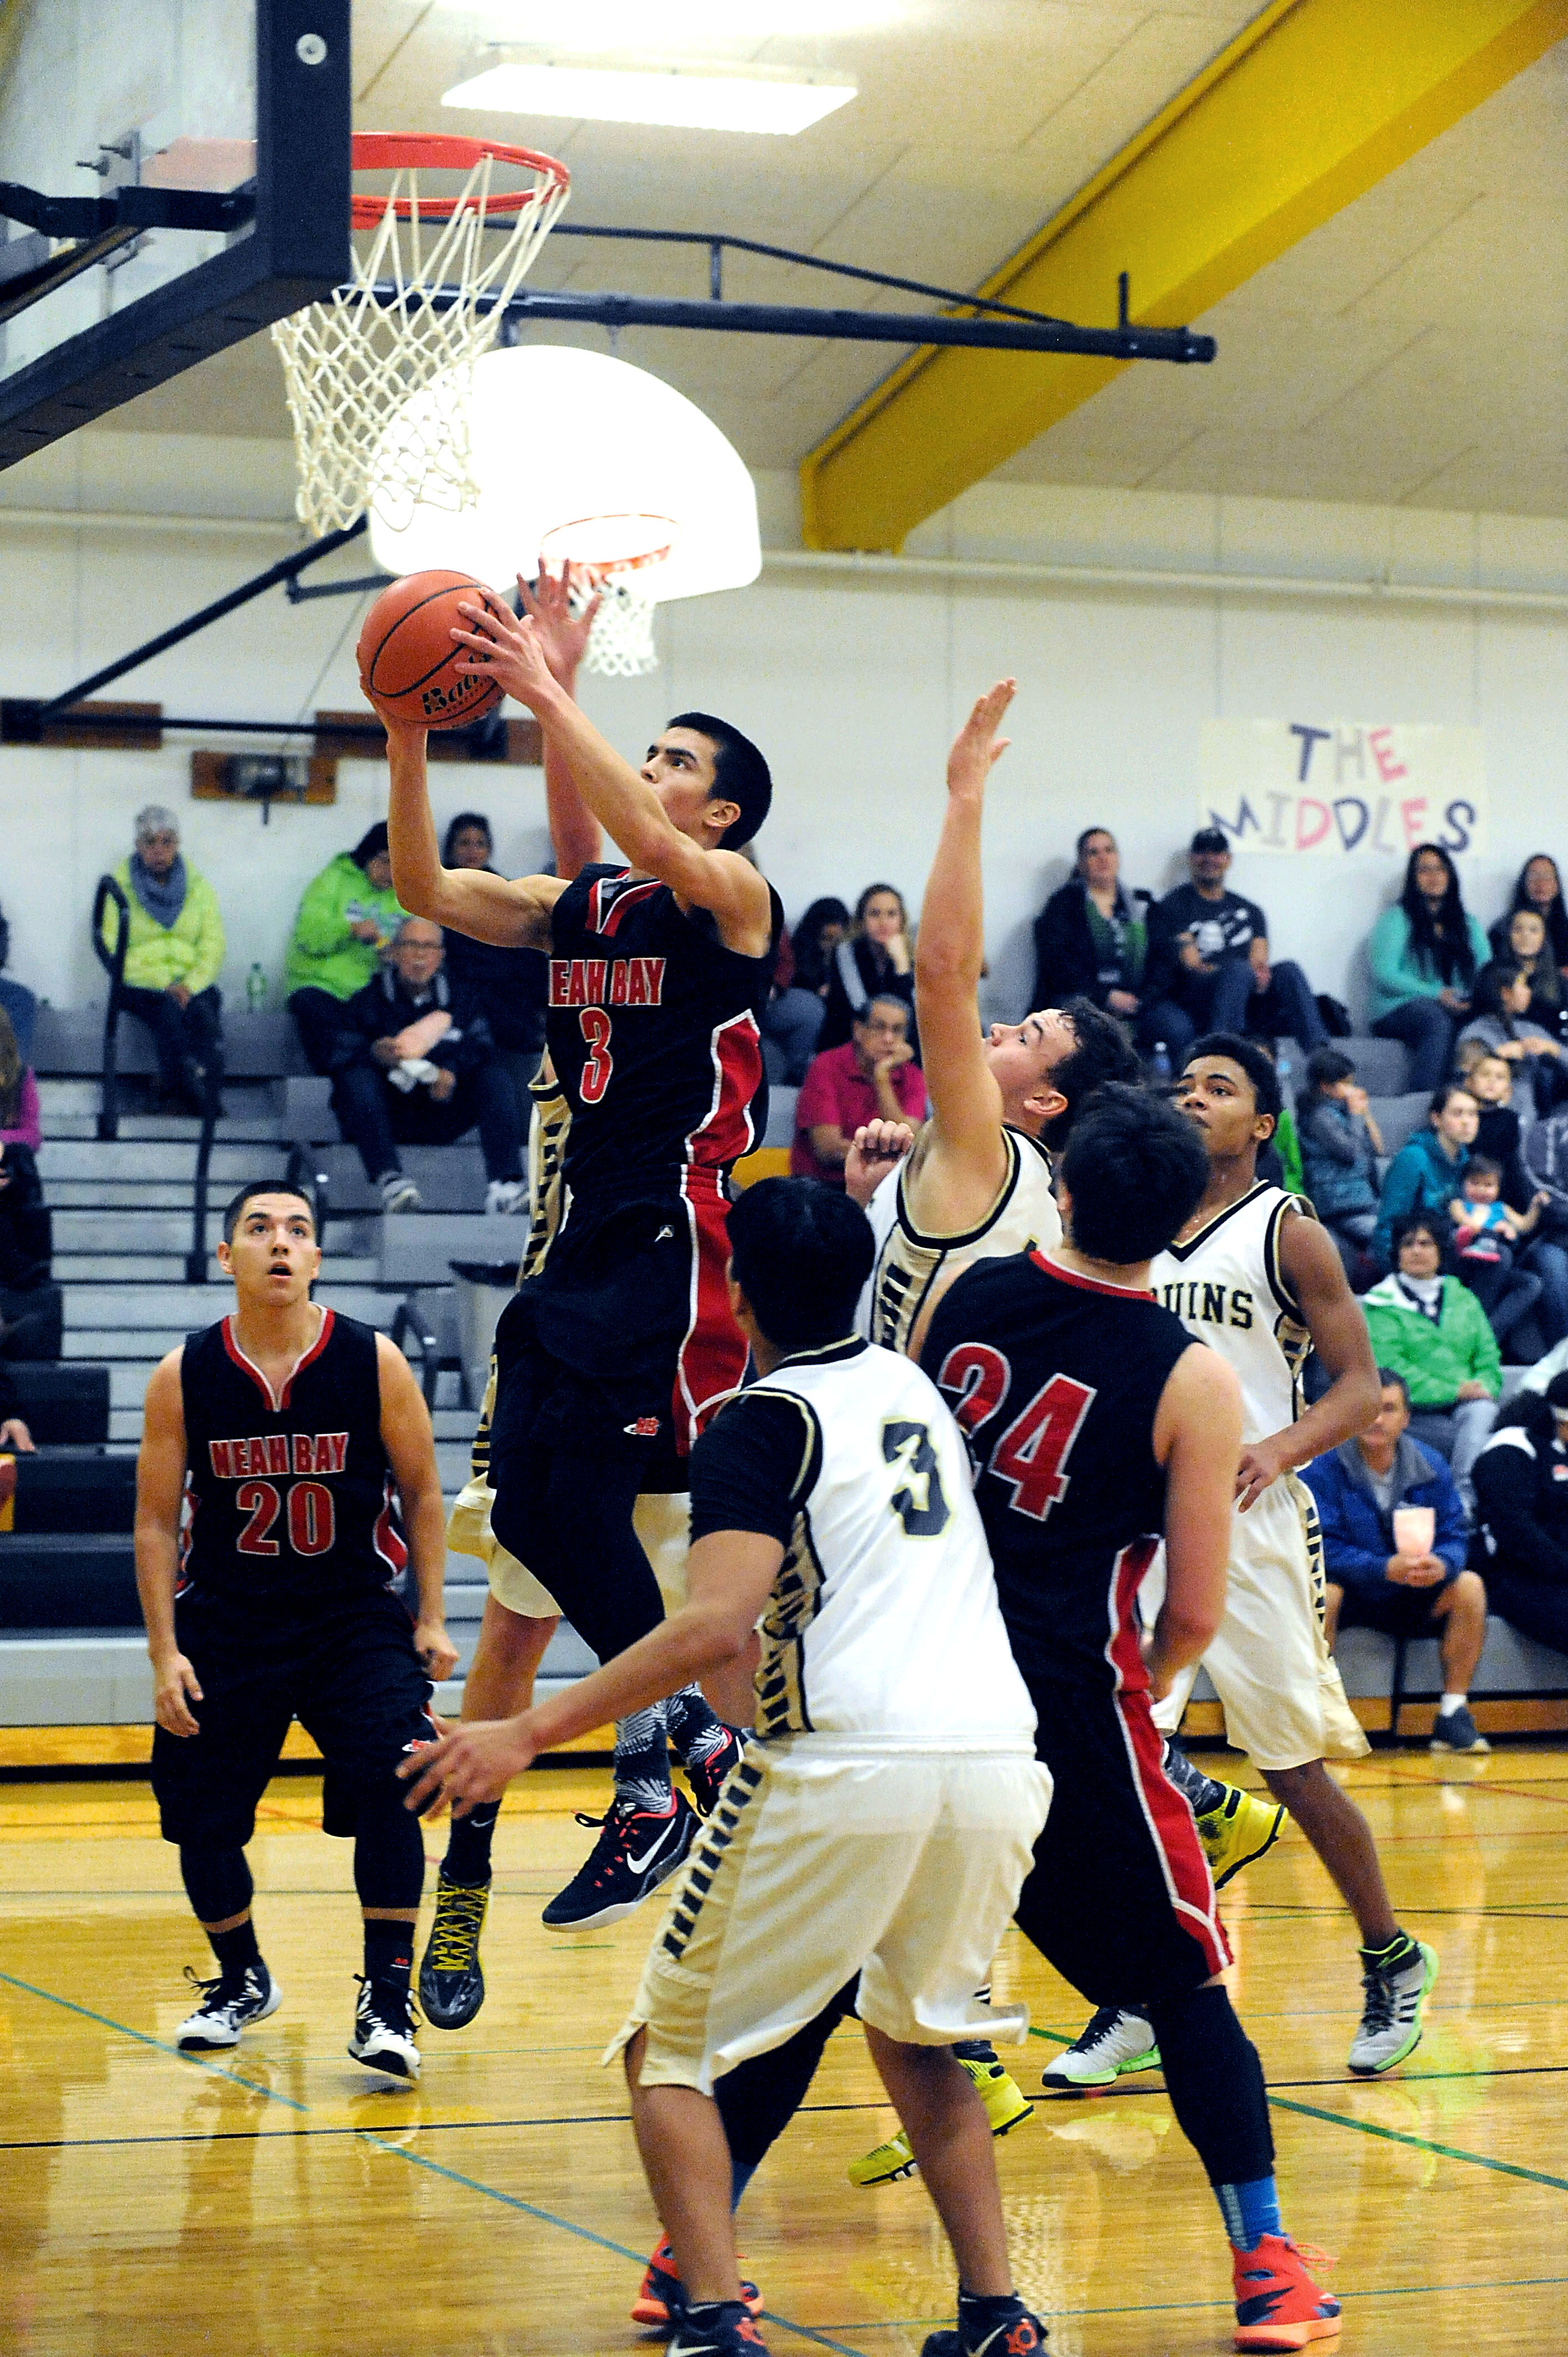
(351, 363)
(608, 554)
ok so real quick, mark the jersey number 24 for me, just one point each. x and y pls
(1032, 1453)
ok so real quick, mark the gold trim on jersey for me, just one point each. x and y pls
(795, 1601)
(899, 1295)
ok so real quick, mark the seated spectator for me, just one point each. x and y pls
(17, 999)
(1522, 1513)
(1485, 1235)
(1426, 1172)
(1208, 968)
(507, 985)
(1381, 1576)
(1539, 888)
(19, 1119)
(793, 1018)
(344, 923)
(32, 1308)
(877, 955)
(1090, 941)
(173, 959)
(1340, 1149)
(1500, 1021)
(1431, 1329)
(872, 1077)
(1525, 945)
(1490, 1081)
(417, 1064)
(1424, 954)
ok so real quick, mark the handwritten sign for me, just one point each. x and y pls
(1342, 789)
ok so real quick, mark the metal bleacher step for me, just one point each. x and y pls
(74, 1269)
(165, 1159)
(140, 1306)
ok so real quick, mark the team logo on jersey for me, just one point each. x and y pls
(607, 982)
(279, 1452)
(645, 1428)
(1196, 1302)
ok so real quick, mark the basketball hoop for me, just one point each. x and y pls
(605, 553)
(352, 363)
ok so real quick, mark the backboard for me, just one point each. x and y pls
(202, 147)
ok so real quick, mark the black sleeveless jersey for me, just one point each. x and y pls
(289, 1501)
(653, 1026)
(1055, 1380)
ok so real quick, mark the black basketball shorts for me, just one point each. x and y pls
(349, 1675)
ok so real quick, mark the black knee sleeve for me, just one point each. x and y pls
(216, 1882)
(759, 2098)
(1215, 2082)
(389, 1848)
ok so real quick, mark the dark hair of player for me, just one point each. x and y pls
(233, 1211)
(1255, 1062)
(800, 1253)
(1387, 1381)
(373, 840)
(1416, 1223)
(1103, 1053)
(1136, 1172)
(740, 775)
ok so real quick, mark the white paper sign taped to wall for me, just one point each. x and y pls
(1343, 789)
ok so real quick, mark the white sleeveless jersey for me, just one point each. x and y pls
(1228, 1288)
(910, 1266)
(883, 1623)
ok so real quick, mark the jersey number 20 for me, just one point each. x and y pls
(312, 1518)
(919, 1502)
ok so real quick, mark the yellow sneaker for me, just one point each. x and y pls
(1239, 1830)
(1006, 2107)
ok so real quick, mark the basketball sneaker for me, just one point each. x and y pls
(1114, 2042)
(383, 2030)
(636, 1851)
(1237, 1832)
(229, 2004)
(1455, 1730)
(720, 2327)
(451, 1984)
(1015, 2332)
(707, 1776)
(1397, 1984)
(1278, 2306)
(661, 2300)
(1006, 2107)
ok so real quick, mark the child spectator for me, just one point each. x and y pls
(1339, 1150)
(1502, 1021)
(1491, 1083)
(19, 1122)
(1485, 1232)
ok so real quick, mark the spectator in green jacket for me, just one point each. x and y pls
(173, 959)
(1430, 1329)
(346, 922)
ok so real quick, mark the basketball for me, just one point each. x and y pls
(408, 658)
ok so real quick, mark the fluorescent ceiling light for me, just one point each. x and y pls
(689, 102)
(591, 25)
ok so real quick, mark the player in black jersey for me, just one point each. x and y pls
(275, 1449)
(1096, 1424)
(610, 1359)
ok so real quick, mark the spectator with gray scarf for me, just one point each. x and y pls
(173, 959)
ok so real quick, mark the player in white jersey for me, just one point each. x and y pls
(1254, 1275)
(881, 1822)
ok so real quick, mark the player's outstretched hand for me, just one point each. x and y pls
(469, 1765)
(977, 745)
(562, 634)
(877, 1148)
(507, 650)
(173, 1681)
(438, 1653)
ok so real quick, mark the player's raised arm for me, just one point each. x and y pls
(410, 1444)
(966, 1101)
(1316, 1274)
(624, 802)
(575, 837)
(1198, 1439)
(160, 1492)
(487, 908)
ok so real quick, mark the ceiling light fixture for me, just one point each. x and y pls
(755, 100)
(594, 25)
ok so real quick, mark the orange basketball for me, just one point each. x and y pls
(408, 658)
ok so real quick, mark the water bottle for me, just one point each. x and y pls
(1282, 1066)
(1160, 1074)
(255, 989)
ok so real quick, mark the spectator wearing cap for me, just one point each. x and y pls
(17, 999)
(1406, 1589)
(344, 926)
(173, 958)
(1522, 1513)
(1208, 966)
(872, 1077)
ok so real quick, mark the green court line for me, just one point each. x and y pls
(1166, 2307)
(121, 2030)
(1421, 2144)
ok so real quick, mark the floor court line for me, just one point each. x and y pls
(159, 2046)
(1420, 2143)
(1170, 2307)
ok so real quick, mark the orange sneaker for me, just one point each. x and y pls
(1278, 2306)
(662, 2295)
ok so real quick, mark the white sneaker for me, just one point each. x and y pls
(1112, 2043)
(400, 1194)
(1392, 2012)
(506, 1196)
(383, 2031)
(228, 2006)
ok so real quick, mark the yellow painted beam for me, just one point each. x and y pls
(1310, 106)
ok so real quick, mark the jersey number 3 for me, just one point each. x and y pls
(599, 1063)
(1032, 1452)
(919, 1502)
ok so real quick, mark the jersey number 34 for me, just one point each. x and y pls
(1033, 1451)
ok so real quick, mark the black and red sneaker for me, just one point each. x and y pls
(722, 2328)
(636, 1851)
(707, 1776)
(661, 2299)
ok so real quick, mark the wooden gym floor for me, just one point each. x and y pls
(278, 2203)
